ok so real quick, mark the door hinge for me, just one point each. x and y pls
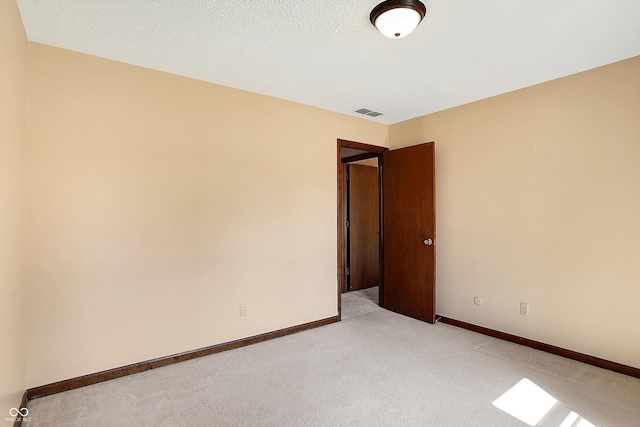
(347, 224)
(347, 271)
(347, 176)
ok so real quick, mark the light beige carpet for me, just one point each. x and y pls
(375, 369)
(357, 303)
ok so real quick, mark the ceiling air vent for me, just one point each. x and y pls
(368, 112)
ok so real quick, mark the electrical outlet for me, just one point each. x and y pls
(524, 308)
(243, 310)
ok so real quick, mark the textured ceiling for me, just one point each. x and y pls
(325, 53)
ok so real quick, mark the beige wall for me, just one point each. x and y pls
(158, 204)
(13, 86)
(538, 200)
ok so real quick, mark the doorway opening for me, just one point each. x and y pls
(405, 202)
(360, 221)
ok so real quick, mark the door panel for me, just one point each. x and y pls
(364, 249)
(409, 220)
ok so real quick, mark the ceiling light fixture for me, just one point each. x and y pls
(397, 18)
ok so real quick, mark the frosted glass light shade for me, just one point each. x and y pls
(397, 18)
(398, 23)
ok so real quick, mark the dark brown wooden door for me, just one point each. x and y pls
(409, 231)
(364, 246)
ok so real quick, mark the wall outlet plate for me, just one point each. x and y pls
(524, 308)
(243, 310)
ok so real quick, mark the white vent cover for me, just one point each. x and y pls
(368, 112)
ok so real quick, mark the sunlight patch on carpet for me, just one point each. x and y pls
(575, 420)
(526, 402)
(570, 420)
